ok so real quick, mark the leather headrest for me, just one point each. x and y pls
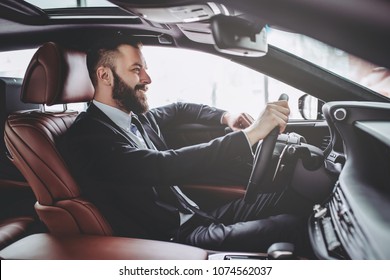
(57, 75)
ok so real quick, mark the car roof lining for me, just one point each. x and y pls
(79, 32)
(350, 21)
(346, 22)
(277, 64)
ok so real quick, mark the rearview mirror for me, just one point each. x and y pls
(237, 36)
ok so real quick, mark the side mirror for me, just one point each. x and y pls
(310, 107)
(238, 36)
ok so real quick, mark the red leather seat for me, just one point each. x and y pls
(87, 247)
(17, 215)
(12, 229)
(55, 75)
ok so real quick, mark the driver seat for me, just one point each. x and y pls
(55, 75)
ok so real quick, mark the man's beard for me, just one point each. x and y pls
(128, 98)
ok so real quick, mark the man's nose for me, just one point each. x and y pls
(145, 78)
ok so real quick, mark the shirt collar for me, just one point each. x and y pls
(120, 118)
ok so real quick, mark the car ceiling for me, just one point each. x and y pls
(360, 27)
(357, 26)
(342, 24)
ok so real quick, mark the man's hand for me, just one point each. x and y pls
(275, 114)
(237, 121)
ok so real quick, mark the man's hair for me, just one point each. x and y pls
(102, 52)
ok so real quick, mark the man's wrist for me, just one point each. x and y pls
(249, 142)
(224, 118)
(252, 135)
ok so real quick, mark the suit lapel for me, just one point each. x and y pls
(153, 136)
(95, 113)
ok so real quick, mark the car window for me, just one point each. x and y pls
(50, 4)
(190, 76)
(13, 64)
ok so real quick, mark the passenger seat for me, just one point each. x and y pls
(55, 75)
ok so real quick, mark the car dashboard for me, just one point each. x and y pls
(354, 222)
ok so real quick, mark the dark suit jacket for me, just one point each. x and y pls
(126, 183)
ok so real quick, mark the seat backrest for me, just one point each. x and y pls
(10, 102)
(16, 198)
(55, 75)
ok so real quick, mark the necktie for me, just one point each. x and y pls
(134, 129)
(137, 129)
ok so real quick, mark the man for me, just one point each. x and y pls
(118, 155)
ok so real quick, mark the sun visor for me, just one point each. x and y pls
(238, 36)
(198, 32)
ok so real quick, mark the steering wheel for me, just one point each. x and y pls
(259, 179)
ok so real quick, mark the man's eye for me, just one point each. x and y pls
(137, 70)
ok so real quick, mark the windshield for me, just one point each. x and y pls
(369, 75)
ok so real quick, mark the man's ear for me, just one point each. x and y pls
(104, 75)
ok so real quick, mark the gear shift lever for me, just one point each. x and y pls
(281, 251)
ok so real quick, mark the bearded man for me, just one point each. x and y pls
(118, 155)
